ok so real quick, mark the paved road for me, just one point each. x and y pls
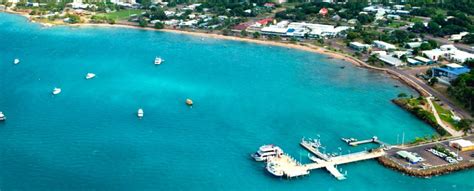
(454, 107)
(460, 46)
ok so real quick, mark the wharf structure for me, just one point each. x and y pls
(291, 168)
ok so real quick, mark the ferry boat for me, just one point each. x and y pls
(158, 60)
(267, 151)
(16, 61)
(274, 169)
(2, 116)
(140, 113)
(56, 91)
(90, 76)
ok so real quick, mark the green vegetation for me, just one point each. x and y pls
(159, 25)
(121, 15)
(415, 106)
(463, 89)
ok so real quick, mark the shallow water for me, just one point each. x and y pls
(245, 95)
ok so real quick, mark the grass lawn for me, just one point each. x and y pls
(122, 14)
(445, 115)
(396, 24)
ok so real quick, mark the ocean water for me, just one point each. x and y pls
(245, 95)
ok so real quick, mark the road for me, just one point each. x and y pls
(460, 46)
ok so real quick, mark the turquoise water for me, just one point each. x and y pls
(245, 95)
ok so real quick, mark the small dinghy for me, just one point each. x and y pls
(140, 113)
(56, 91)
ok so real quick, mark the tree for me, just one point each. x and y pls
(402, 95)
(256, 35)
(469, 63)
(351, 35)
(425, 46)
(365, 19)
(433, 81)
(244, 33)
(464, 125)
(159, 25)
(468, 39)
(142, 22)
(433, 43)
(433, 27)
(418, 27)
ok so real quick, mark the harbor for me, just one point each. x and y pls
(285, 165)
(424, 160)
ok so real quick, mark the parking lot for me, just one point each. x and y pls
(430, 159)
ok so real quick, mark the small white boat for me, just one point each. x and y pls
(2, 116)
(274, 169)
(140, 113)
(158, 60)
(56, 91)
(90, 76)
(16, 61)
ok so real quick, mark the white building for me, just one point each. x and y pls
(390, 60)
(384, 45)
(297, 29)
(359, 46)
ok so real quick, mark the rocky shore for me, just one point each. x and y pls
(428, 172)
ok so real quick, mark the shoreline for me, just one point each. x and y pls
(299, 46)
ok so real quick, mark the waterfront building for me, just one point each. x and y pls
(462, 145)
(359, 46)
(384, 45)
(390, 60)
(448, 72)
(300, 29)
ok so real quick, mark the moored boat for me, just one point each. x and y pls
(267, 151)
(2, 116)
(274, 169)
(189, 102)
(16, 61)
(90, 76)
(56, 91)
(158, 60)
(140, 113)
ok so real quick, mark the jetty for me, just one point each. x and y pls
(292, 168)
(374, 139)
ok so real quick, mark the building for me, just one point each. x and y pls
(297, 29)
(359, 46)
(413, 158)
(413, 44)
(459, 56)
(383, 45)
(462, 145)
(458, 37)
(424, 60)
(412, 61)
(434, 54)
(449, 72)
(390, 60)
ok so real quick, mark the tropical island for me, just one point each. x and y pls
(426, 45)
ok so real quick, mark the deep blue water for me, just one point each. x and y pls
(246, 95)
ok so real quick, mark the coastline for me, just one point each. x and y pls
(299, 46)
